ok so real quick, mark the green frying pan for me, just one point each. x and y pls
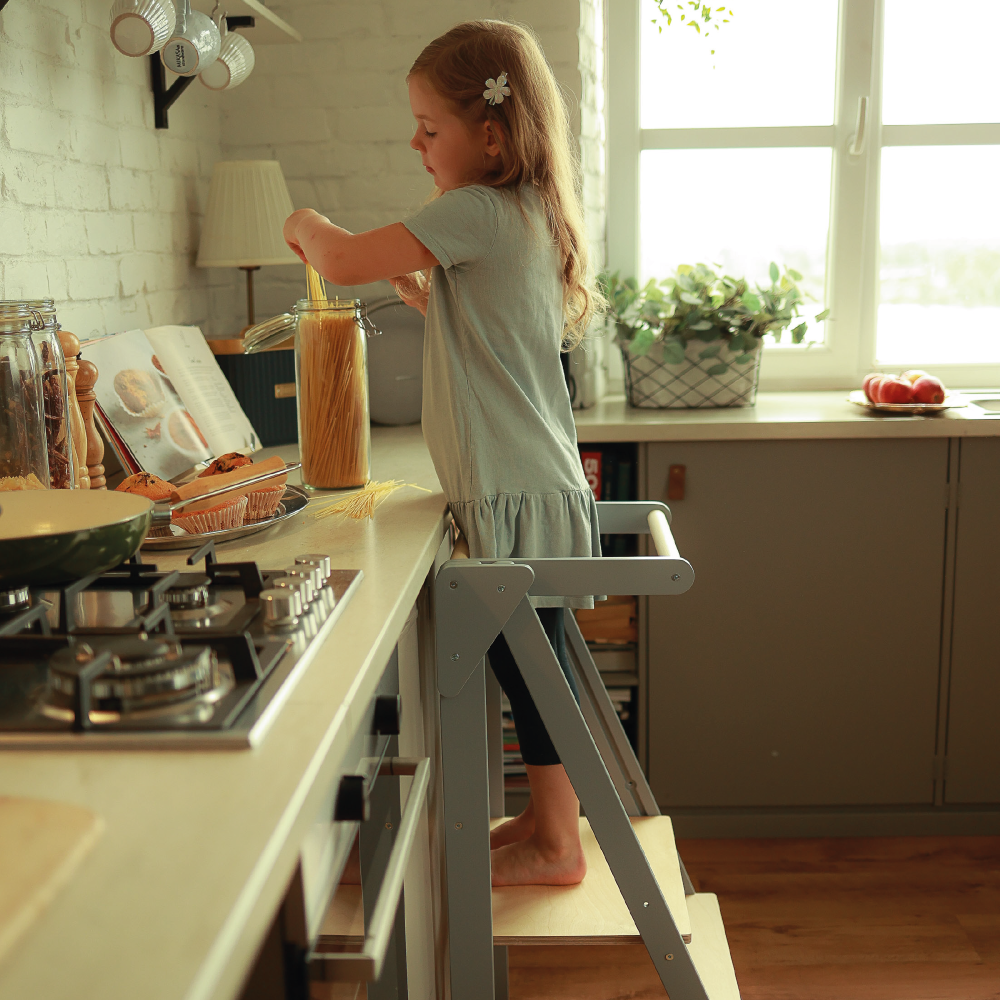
(54, 537)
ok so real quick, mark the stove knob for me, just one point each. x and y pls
(320, 560)
(282, 607)
(352, 799)
(385, 721)
(314, 568)
(315, 574)
(304, 577)
(295, 585)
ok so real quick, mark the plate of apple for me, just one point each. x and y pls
(913, 392)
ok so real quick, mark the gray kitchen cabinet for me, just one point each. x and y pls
(802, 668)
(973, 743)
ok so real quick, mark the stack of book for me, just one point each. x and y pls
(611, 473)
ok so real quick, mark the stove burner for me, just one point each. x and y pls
(142, 675)
(15, 599)
(189, 591)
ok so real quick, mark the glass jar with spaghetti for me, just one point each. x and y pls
(331, 381)
(55, 394)
(24, 461)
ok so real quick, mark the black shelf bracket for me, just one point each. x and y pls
(164, 96)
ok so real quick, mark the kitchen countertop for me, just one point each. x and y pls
(777, 415)
(198, 846)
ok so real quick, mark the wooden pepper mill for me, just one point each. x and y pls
(86, 378)
(71, 348)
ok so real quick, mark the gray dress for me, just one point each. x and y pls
(496, 414)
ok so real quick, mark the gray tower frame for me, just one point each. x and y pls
(476, 600)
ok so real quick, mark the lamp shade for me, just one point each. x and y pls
(248, 202)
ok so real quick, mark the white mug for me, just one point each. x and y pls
(141, 27)
(194, 45)
(234, 65)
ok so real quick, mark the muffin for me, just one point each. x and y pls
(264, 503)
(226, 515)
(226, 463)
(145, 484)
(139, 392)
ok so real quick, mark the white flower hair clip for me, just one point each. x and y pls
(496, 90)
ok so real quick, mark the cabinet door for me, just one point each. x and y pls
(802, 666)
(973, 746)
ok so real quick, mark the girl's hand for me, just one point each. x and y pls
(412, 292)
(290, 227)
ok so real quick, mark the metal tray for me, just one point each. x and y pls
(951, 401)
(293, 502)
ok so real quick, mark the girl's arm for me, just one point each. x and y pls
(348, 259)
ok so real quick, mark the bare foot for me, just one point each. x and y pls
(528, 863)
(514, 830)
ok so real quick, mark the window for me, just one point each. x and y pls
(855, 141)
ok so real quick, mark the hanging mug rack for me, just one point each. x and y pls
(164, 96)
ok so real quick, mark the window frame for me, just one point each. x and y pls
(852, 276)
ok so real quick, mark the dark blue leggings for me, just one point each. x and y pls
(536, 746)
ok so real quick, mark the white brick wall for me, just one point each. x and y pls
(101, 211)
(97, 208)
(334, 110)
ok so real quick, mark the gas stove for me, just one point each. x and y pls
(135, 657)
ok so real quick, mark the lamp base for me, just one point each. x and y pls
(251, 316)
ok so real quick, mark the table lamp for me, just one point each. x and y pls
(248, 202)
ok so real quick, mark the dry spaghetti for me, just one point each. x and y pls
(334, 435)
(362, 504)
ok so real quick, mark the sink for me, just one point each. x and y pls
(991, 403)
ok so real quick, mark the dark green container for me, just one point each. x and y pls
(253, 378)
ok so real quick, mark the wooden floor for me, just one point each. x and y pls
(885, 918)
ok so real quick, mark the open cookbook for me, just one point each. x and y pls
(163, 403)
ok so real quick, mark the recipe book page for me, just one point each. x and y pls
(188, 362)
(142, 405)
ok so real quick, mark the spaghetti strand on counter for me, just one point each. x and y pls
(363, 503)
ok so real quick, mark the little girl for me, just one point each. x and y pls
(508, 288)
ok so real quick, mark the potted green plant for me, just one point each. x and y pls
(694, 339)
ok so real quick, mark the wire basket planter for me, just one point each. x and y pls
(706, 378)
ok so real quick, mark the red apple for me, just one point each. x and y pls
(928, 389)
(895, 390)
(866, 385)
(912, 375)
(875, 387)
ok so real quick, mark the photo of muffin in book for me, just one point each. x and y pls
(163, 403)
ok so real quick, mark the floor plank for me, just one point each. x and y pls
(887, 918)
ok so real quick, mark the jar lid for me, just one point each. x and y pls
(45, 307)
(19, 317)
(330, 305)
(355, 306)
(270, 333)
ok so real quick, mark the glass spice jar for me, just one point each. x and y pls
(23, 449)
(55, 391)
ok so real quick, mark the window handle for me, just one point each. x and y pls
(857, 146)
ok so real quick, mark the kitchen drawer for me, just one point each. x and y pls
(328, 843)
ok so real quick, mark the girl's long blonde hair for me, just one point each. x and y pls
(532, 130)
